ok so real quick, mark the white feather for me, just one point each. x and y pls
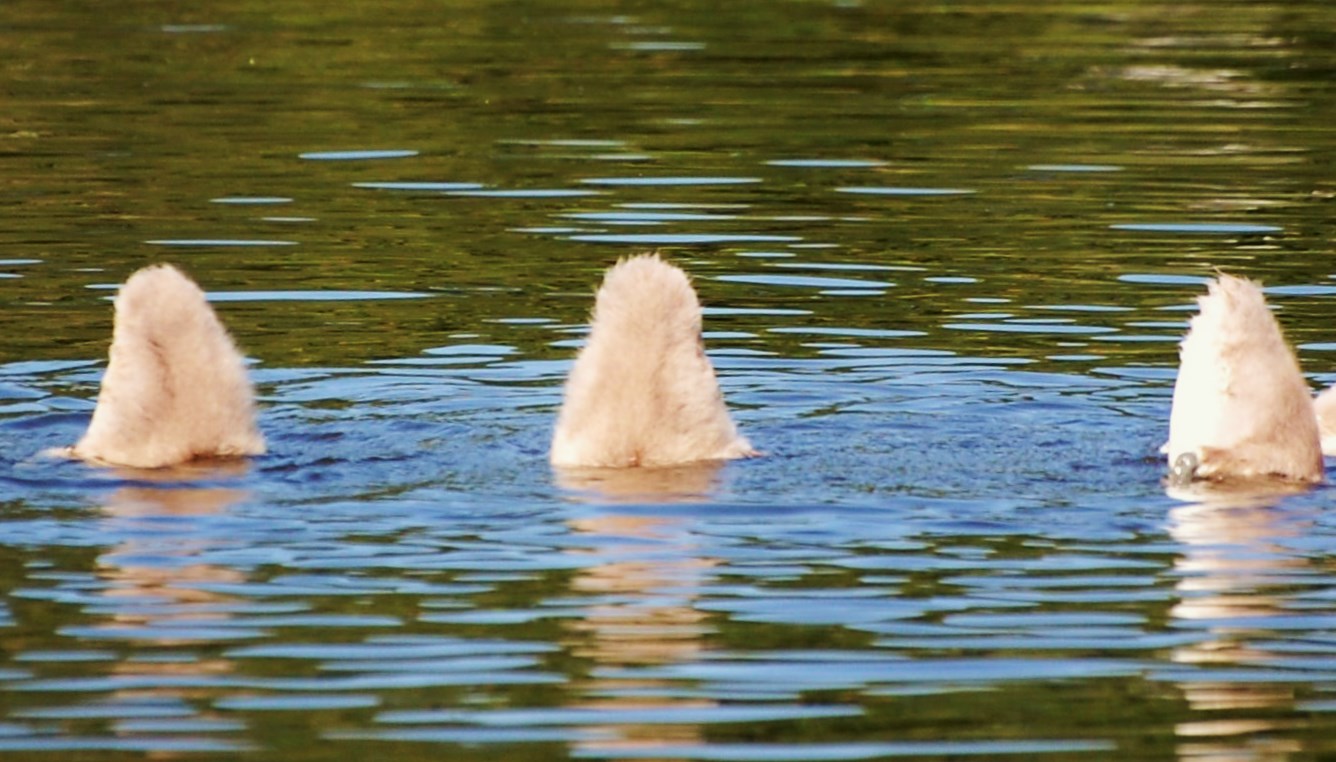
(642, 392)
(1325, 404)
(176, 387)
(1241, 406)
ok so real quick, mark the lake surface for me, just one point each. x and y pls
(947, 250)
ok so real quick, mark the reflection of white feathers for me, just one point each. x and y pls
(176, 386)
(1241, 406)
(642, 392)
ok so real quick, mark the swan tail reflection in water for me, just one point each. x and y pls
(642, 392)
(176, 387)
(1241, 408)
(1241, 574)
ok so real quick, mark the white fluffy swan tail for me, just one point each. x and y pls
(642, 392)
(176, 387)
(1241, 407)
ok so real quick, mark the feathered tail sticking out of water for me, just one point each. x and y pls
(642, 392)
(1326, 419)
(176, 387)
(1241, 407)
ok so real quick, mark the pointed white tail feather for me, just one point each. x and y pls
(176, 387)
(642, 392)
(1240, 403)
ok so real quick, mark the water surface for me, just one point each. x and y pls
(946, 252)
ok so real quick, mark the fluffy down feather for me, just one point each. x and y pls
(642, 392)
(1241, 406)
(176, 387)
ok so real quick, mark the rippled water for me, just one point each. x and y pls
(946, 252)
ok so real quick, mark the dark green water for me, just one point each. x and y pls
(947, 251)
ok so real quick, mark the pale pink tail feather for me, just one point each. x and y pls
(176, 387)
(642, 392)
